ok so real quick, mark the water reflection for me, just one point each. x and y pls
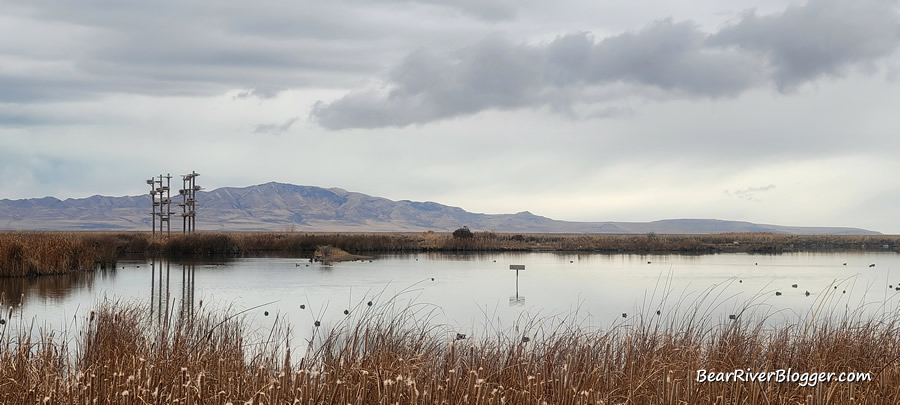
(161, 290)
(466, 288)
(54, 288)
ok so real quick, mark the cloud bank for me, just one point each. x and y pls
(666, 59)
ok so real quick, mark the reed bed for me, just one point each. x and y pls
(36, 253)
(382, 355)
(39, 253)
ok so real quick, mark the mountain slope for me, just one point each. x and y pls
(277, 207)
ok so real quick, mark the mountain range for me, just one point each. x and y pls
(287, 207)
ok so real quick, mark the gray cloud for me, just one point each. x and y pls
(491, 10)
(749, 193)
(822, 38)
(275, 128)
(66, 51)
(664, 60)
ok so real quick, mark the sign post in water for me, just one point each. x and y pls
(517, 300)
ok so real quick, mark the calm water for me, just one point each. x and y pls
(468, 292)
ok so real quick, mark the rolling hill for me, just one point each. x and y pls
(279, 207)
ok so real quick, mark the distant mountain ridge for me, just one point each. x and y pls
(279, 207)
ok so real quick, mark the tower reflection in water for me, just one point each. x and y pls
(161, 290)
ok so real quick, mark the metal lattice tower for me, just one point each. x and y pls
(189, 202)
(159, 196)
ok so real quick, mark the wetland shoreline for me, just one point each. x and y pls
(33, 253)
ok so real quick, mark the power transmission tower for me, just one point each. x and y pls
(189, 202)
(159, 196)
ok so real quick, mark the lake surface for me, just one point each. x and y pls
(474, 292)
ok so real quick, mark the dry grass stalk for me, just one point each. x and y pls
(386, 356)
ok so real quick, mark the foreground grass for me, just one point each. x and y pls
(36, 253)
(121, 355)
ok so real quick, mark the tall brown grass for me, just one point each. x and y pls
(389, 356)
(35, 253)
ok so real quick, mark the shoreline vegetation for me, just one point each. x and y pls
(382, 354)
(33, 253)
(385, 352)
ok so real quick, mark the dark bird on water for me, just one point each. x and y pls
(302, 306)
(266, 313)
(793, 285)
(624, 315)
(369, 303)
(346, 312)
(317, 323)
(872, 265)
(777, 293)
(732, 317)
(807, 293)
(658, 312)
(460, 336)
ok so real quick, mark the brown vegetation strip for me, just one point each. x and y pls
(123, 355)
(35, 253)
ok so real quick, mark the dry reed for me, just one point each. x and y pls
(383, 355)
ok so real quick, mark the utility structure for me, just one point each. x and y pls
(159, 196)
(189, 200)
(517, 300)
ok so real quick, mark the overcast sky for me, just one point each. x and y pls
(773, 111)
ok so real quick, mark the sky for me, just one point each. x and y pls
(772, 111)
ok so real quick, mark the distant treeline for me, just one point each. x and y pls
(34, 253)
